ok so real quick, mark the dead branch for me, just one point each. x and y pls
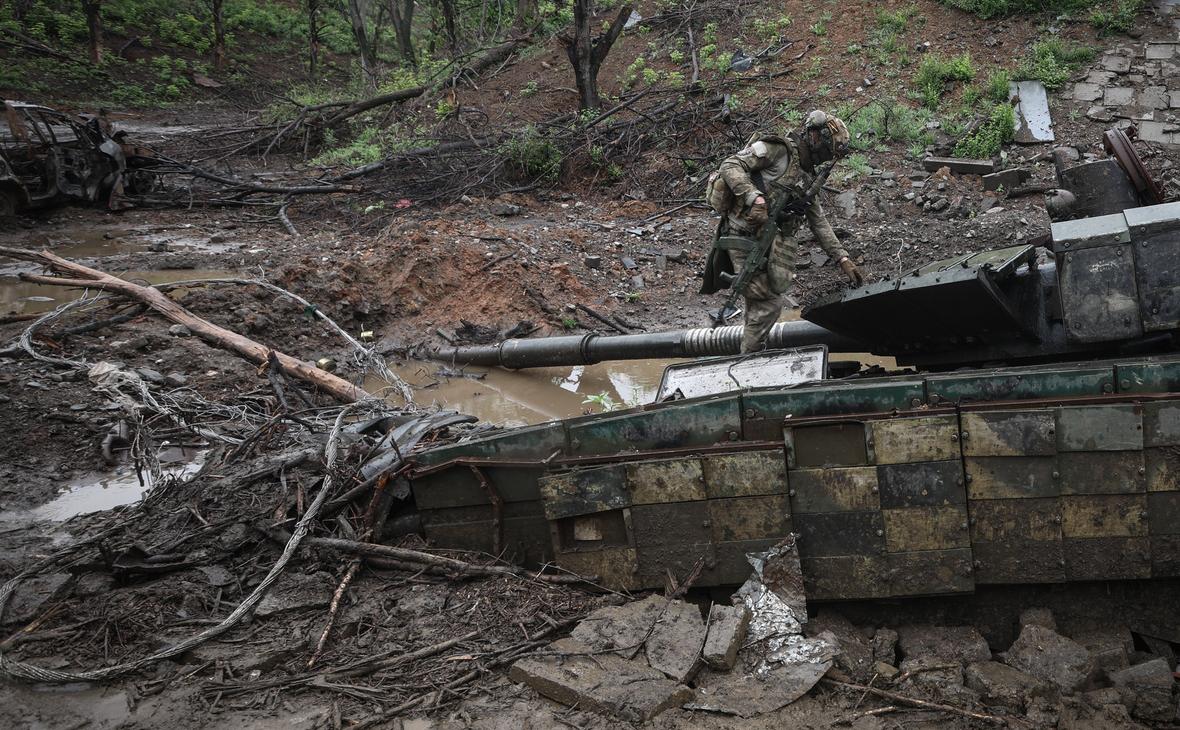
(457, 567)
(914, 702)
(217, 336)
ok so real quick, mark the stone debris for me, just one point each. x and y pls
(727, 631)
(926, 645)
(1009, 179)
(1051, 657)
(1033, 121)
(1038, 617)
(621, 629)
(1146, 689)
(885, 646)
(603, 683)
(1110, 646)
(674, 646)
(855, 657)
(959, 166)
(999, 684)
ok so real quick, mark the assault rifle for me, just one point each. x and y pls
(758, 249)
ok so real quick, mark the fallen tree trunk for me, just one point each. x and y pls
(497, 54)
(217, 336)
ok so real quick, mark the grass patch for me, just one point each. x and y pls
(1107, 16)
(1052, 62)
(533, 155)
(884, 122)
(935, 72)
(997, 85)
(985, 142)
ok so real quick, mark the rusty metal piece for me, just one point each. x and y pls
(1117, 144)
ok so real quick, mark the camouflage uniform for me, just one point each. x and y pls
(775, 160)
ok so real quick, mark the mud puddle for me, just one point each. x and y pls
(107, 491)
(536, 395)
(22, 297)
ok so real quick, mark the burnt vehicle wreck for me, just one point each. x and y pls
(1033, 438)
(50, 158)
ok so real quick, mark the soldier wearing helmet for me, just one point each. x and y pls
(768, 166)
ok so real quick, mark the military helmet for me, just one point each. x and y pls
(832, 131)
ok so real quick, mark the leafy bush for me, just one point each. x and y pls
(997, 85)
(1116, 17)
(935, 71)
(885, 121)
(1052, 62)
(986, 140)
(533, 154)
(997, 8)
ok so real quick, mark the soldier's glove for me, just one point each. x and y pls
(855, 278)
(758, 214)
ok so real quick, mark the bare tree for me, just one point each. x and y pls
(93, 11)
(357, 10)
(217, 11)
(313, 36)
(447, 9)
(586, 53)
(401, 12)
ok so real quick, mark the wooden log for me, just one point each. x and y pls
(255, 352)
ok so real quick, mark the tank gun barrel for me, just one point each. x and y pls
(593, 348)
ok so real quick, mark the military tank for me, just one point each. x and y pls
(1033, 435)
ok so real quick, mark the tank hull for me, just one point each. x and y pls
(897, 486)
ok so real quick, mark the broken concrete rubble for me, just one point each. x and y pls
(621, 629)
(727, 630)
(959, 165)
(1048, 656)
(674, 646)
(999, 684)
(855, 657)
(1147, 690)
(574, 674)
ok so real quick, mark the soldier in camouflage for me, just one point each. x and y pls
(772, 165)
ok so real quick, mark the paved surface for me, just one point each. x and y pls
(1138, 83)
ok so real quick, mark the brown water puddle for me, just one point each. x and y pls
(107, 491)
(22, 297)
(537, 395)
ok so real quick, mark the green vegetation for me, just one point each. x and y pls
(934, 73)
(858, 166)
(896, 21)
(986, 140)
(884, 122)
(1108, 16)
(533, 155)
(997, 85)
(602, 400)
(570, 323)
(1052, 62)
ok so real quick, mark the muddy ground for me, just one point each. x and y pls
(414, 276)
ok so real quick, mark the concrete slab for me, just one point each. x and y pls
(1100, 77)
(1160, 51)
(674, 646)
(1087, 92)
(1116, 63)
(603, 683)
(1118, 95)
(1154, 97)
(1174, 100)
(1033, 121)
(621, 629)
(1155, 132)
(1050, 657)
